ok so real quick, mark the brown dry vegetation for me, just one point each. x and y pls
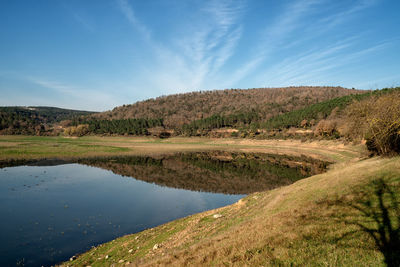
(378, 120)
(179, 109)
(375, 119)
(39, 147)
(299, 224)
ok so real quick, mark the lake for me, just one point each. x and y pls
(52, 210)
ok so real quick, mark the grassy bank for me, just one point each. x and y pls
(312, 222)
(36, 147)
(309, 223)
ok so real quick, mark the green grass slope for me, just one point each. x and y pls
(331, 219)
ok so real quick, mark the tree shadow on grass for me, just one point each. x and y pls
(375, 210)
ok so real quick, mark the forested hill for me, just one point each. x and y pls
(34, 120)
(179, 109)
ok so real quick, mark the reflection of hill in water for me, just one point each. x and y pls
(219, 172)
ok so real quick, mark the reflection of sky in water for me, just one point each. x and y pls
(51, 213)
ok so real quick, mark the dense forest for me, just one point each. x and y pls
(199, 113)
(177, 110)
(204, 126)
(195, 113)
(83, 125)
(308, 116)
(293, 112)
(34, 120)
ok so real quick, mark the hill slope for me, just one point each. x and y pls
(312, 222)
(179, 109)
(33, 120)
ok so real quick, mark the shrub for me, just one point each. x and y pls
(377, 119)
(325, 128)
(82, 130)
(79, 130)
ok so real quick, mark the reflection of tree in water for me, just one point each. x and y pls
(220, 172)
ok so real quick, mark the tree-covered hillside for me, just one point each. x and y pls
(34, 120)
(177, 110)
(189, 114)
(309, 115)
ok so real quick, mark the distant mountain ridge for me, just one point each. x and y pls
(179, 109)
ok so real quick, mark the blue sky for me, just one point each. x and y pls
(98, 54)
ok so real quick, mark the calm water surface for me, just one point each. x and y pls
(50, 213)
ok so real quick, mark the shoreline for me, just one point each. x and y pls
(65, 148)
(238, 229)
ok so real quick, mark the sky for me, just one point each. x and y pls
(99, 54)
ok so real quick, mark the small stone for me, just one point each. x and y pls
(137, 247)
(216, 216)
(106, 257)
(120, 261)
(130, 251)
(72, 258)
(156, 246)
(136, 238)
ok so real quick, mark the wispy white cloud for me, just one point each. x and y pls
(198, 56)
(129, 13)
(347, 13)
(317, 64)
(53, 85)
(196, 60)
(204, 44)
(84, 21)
(293, 69)
(226, 51)
(80, 16)
(76, 97)
(274, 35)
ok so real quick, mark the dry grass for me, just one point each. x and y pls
(36, 147)
(292, 225)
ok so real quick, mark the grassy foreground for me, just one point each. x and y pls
(309, 223)
(318, 221)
